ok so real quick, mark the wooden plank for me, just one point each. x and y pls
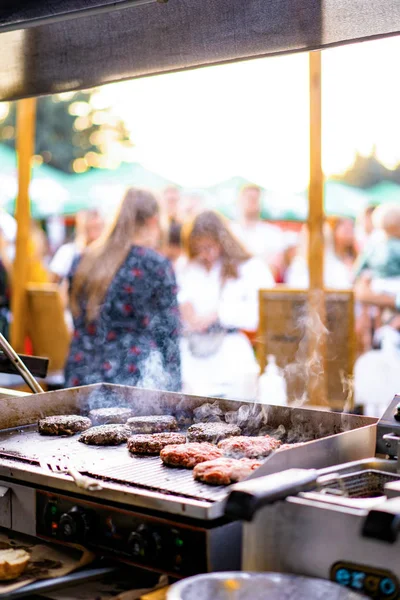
(47, 327)
(317, 388)
(26, 112)
(284, 332)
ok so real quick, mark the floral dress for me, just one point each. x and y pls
(135, 340)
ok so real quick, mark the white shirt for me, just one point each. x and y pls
(237, 303)
(232, 371)
(260, 239)
(62, 260)
(336, 275)
(8, 226)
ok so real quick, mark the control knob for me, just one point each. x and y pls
(145, 543)
(75, 525)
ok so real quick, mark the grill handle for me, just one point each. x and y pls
(20, 365)
(246, 498)
(383, 522)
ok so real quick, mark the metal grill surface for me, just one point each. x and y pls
(150, 473)
(111, 463)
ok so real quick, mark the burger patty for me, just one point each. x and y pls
(105, 435)
(153, 443)
(103, 416)
(249, 447)
(224, 471)
(63, 425)
(189, 455)
(211, 432)
(152, 424)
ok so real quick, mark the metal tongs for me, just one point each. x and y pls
(20, 366)
(81, 481)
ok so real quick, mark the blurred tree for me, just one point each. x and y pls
(73, 133)
(367, 171)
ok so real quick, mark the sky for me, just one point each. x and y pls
(251, 118)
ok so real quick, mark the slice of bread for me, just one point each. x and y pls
(12, 563)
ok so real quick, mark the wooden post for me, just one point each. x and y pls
(317, 388)
(25, 146)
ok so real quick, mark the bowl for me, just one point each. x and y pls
(257, 586)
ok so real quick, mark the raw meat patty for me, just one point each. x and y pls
(188, 455)
(153, 443)
(152, 424)
(63, 425)
(105, 435)
(248, 447)
(224, 471)
(103, 416)
(211, 432)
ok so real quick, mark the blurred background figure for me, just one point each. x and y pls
(171, 204)
(344, 241)
(192, 204)
(381, 256)
(377, 372)
(280, 265)
(336, 273)
(124, 304)
(365, 230)
(218, 296)
(8, 229)
(259, 238)
(379, 263)
(89, 226)
(173, 246)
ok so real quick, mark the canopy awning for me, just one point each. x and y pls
(55, 46)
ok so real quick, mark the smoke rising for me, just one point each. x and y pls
(208, 413)
(305, 373)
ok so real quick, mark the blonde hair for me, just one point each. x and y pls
(104, 257)
(250, 187)
(210, 224)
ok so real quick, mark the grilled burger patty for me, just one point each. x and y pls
(211, 432)
(153, 443)
(224, 471)
(152, 424)
(103, 416)
(248, 447)
(63, 425)
(189, 455)
(105, 435)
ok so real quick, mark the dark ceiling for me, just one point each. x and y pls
(54, 46)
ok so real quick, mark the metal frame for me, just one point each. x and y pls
(88, 11)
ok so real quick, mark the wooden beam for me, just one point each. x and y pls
(25, 146)
(317, 388)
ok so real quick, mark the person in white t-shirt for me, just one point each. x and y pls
(89, 226)
(259, 238)
(218, 297)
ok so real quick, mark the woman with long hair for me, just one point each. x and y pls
(218, 296)
(124, 304)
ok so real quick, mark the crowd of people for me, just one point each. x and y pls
(166, 295)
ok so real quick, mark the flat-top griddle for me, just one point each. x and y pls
(330, 438)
